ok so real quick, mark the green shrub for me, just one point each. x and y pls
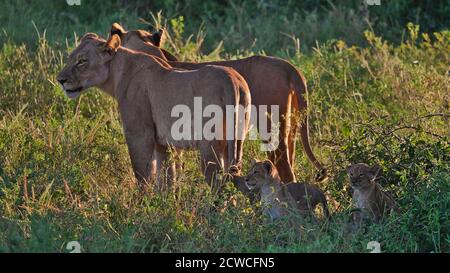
(65, 173)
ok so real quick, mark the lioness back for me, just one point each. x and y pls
(195, 90)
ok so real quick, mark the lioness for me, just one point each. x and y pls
(272, 81)
(368, 197)
(147, 90)
(275, 195)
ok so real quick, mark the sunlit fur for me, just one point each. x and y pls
(277, 197)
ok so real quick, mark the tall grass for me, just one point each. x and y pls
(65, 173)
(256, 25)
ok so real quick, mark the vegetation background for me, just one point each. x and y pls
(379, 93)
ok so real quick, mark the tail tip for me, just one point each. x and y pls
(322, 175)
(234, 170)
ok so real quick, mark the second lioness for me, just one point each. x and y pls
(147, 91)
(278, 198)
(272, 81)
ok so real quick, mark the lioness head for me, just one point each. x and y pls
(362, 175)
(261, 172)
(140, 40)
(88, 65)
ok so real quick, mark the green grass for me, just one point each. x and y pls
(270, 26)
(65, 174)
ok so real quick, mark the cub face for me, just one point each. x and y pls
(260, 173)
(88, 65)
(362, 175)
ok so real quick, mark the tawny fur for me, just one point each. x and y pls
(272, 81)
(278, 198)
(147, 89)
(369, 199)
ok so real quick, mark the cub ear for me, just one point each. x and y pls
(268, 166)
(117, 29)
(159, 38)
(349, 168)
(375, 170)
(88, 36)
(113, 44)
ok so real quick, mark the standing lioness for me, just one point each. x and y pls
(147, 91)
(277, 198)
(272, 81)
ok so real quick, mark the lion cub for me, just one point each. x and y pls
(275, 195)
(368, 197)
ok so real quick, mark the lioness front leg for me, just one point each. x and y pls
(140, 147)
(140, 137)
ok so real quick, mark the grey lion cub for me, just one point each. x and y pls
(368, 197)
(277, 198)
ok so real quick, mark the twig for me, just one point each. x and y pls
(414, 128)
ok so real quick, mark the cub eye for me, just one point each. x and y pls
(361, 175)
(81, 62)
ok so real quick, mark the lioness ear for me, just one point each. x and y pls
(117, 29)
(159, 38)
(113, 44)
(253, 162)
(88, 36)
